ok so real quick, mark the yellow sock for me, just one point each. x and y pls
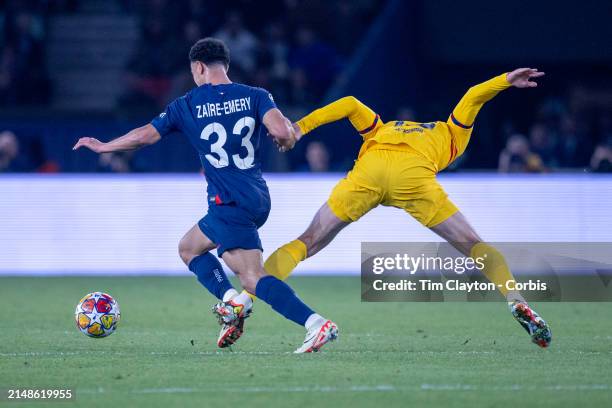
(284, 260)
(252, 296)
(495, 266)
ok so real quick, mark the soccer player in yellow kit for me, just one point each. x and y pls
(397, 166)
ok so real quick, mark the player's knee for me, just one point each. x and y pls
(185, 251)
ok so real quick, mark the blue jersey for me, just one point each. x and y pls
(224, 124)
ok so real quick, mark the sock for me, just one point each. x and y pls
(314, 320)
(210, 274)
(284, 260)
(283, 299)
(495, 268)
(243, 299)
(252, 296)
(229, 294)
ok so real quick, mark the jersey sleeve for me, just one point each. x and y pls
(468, 107)
(167, 121)
(265, 102)
(363, 119)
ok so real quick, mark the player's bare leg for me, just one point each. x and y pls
(323, 228)
(248, 266)
(459, 233)
(194, 243)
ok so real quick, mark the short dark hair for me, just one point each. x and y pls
(210, 51)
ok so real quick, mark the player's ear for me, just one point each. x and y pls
(196, 68)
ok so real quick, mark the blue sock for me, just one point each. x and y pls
(283, 299)
(210, 274)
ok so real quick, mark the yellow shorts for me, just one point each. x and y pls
(396, 178)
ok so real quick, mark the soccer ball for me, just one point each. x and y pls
(97, 314)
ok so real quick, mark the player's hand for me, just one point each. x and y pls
(522, 77)
(286, 144)
(298, 131)
(91, 143)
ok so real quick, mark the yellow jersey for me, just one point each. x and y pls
(439, 142)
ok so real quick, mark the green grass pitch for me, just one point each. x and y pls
(389, 354)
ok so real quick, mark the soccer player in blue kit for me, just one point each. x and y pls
(224, 122)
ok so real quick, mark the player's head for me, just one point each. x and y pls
(206, 56)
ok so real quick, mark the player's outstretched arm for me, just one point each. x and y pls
(361, 117)
(280, 128)
(465, 112)
(135, 139)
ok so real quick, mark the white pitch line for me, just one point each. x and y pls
(356, 388)
(123, 353)
(279, 353)
(359, 388)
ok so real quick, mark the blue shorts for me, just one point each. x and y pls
(232, 227)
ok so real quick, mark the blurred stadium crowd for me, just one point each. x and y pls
(286, 47)
(559, 140)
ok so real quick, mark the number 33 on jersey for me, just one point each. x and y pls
(220, 157)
